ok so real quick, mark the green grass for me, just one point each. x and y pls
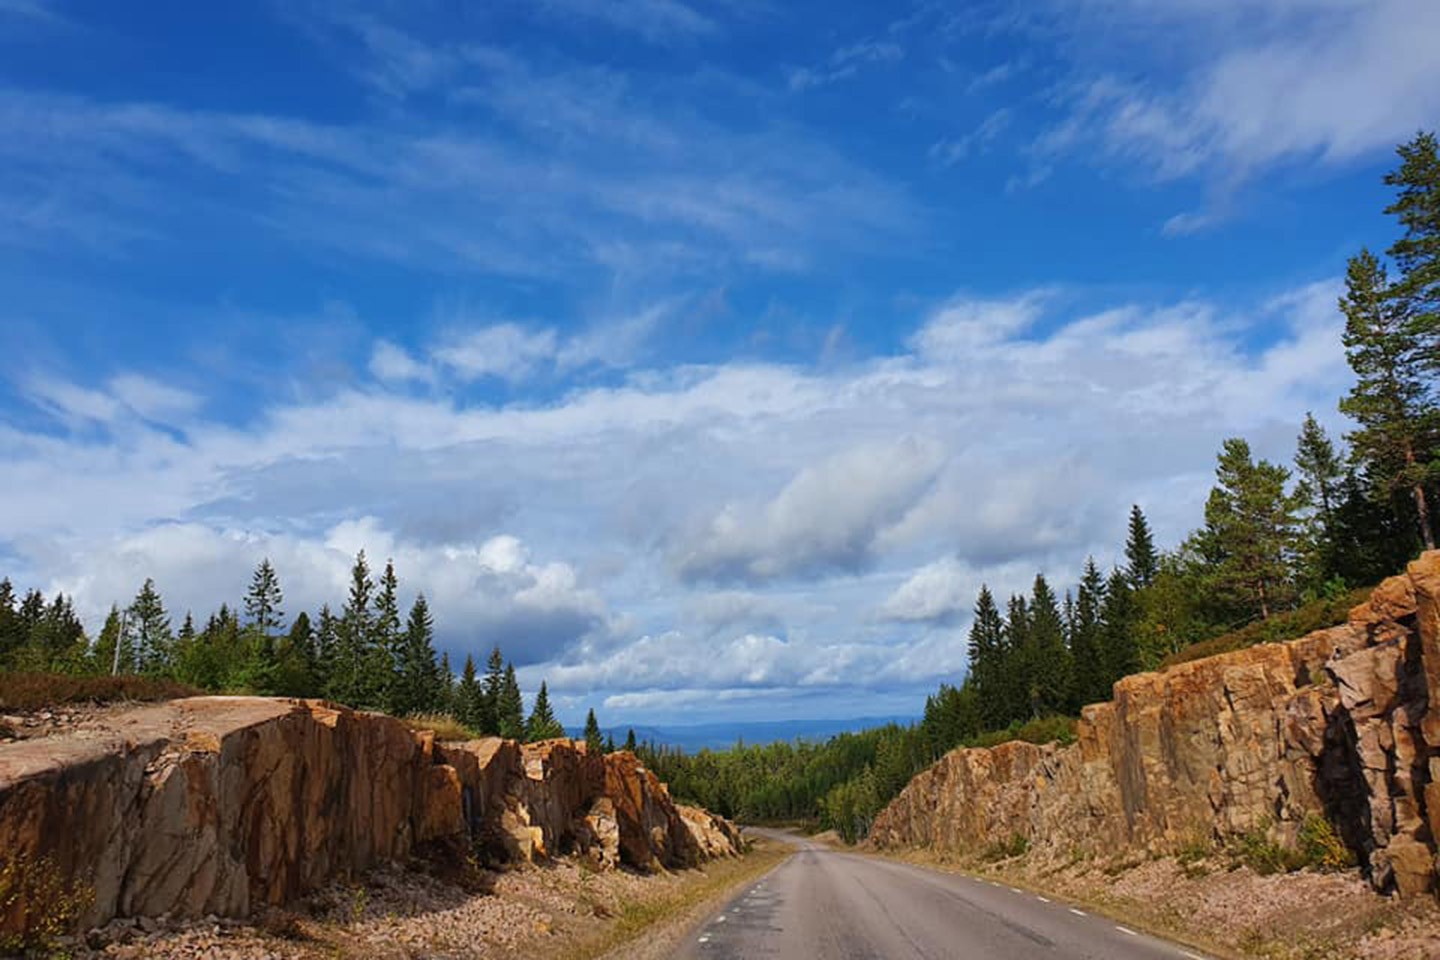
(1055, 729)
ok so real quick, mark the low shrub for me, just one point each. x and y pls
(44, 901)
(1053, 729)
(1316, 615)
(1321, 846)
(444, 726)
(1016, 846)
(32, 691)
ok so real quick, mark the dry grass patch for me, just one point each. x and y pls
(444, 726)
(33, 691)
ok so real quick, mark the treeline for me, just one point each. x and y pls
(367, 655)
(1273, 538)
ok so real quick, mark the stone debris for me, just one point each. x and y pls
(1335, 724)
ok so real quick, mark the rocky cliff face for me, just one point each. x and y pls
(220, 805)
(1336, 723)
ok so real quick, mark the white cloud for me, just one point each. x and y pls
(505, 350)
(391, 362)
(939, 591)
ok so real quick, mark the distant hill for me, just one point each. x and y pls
(721, 736)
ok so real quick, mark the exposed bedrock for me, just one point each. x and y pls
(221, 805)
(1336, 723)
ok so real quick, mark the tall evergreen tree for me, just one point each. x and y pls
(263, 600)
(298, 660)
(1391, 400)
(1417, 252)
(1118, 615)
(417, 687)
(1321, 474)
(1251, 520)
(1092, 679)
(542, 724)
(327, 641)
(630, 744)
(510, 707)
(447, 685)
(594, 740)
(1018, 668)
(111, 637)
(468, 697)
(1142, 561)
(1051, 670)
(987, 659)
(148, 629)
(353, 637)
(489, 716)
(387, 642)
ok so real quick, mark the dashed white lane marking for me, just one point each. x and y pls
(1078, 913)
(1126, 930)
(704, 940)
(1042, 899)
(720, 919)
(1016, 890)
(1192, 956)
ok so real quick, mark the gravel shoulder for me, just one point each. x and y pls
(1229, 911)
(561, 910)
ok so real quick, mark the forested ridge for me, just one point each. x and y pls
(1278, 550)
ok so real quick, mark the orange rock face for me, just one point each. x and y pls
(220, 805)
(1335, 723)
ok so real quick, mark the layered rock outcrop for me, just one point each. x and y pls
(1337, 723)
(221, 805)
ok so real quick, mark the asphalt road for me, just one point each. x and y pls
(825, 904)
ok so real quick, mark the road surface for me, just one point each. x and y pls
(824, 904)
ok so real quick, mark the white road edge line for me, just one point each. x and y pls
(1042, 899)
(1126, 930)
(1016, 890)
(1192, 956)
(1078, 913)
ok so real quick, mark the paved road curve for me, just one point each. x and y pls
(823, 904)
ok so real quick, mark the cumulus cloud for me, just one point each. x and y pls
(639, 535)
(827, 518)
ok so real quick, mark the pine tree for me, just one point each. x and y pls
(468, 697)
(262, 602)
(1251, 520)
(594, 741)
(299, 660)
(630, 744)
(510, 707)
(489, 716)
(1051, 670)
(1142, 560)
(353, 639)
(542, 724)
(447, 686)
(1391, 398)
(1417, 253)
(1092, 678)
(11, 638)
(326, 649)
(1018, 669)
(987, 659)
(148, 630)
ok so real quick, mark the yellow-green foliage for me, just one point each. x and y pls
(444, 726)
(1016, 846)
(45, 904)
(1322, 847)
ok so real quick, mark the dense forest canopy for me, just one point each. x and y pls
(1273, 539)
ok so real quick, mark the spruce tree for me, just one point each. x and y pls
(468, 697)
(1251, 519)
(488, 717)
(262, 602)
(1017, 672)
(111, 637)
(447, 686)
(383, 656)
(1051, 670)
(1391, 400)
(510, 707)
(148, 629)
(542, 724)
(353, 639)
(1321, 475)
(987, 659)
(326, 649)
(630, 744)
(298, 660)
(1118, 615)
(1092, 677)
(1141, 559)
(594, 741)
(418, 684)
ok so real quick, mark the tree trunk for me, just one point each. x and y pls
(1422, 507)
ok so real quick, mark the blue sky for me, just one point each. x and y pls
(707, 356)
